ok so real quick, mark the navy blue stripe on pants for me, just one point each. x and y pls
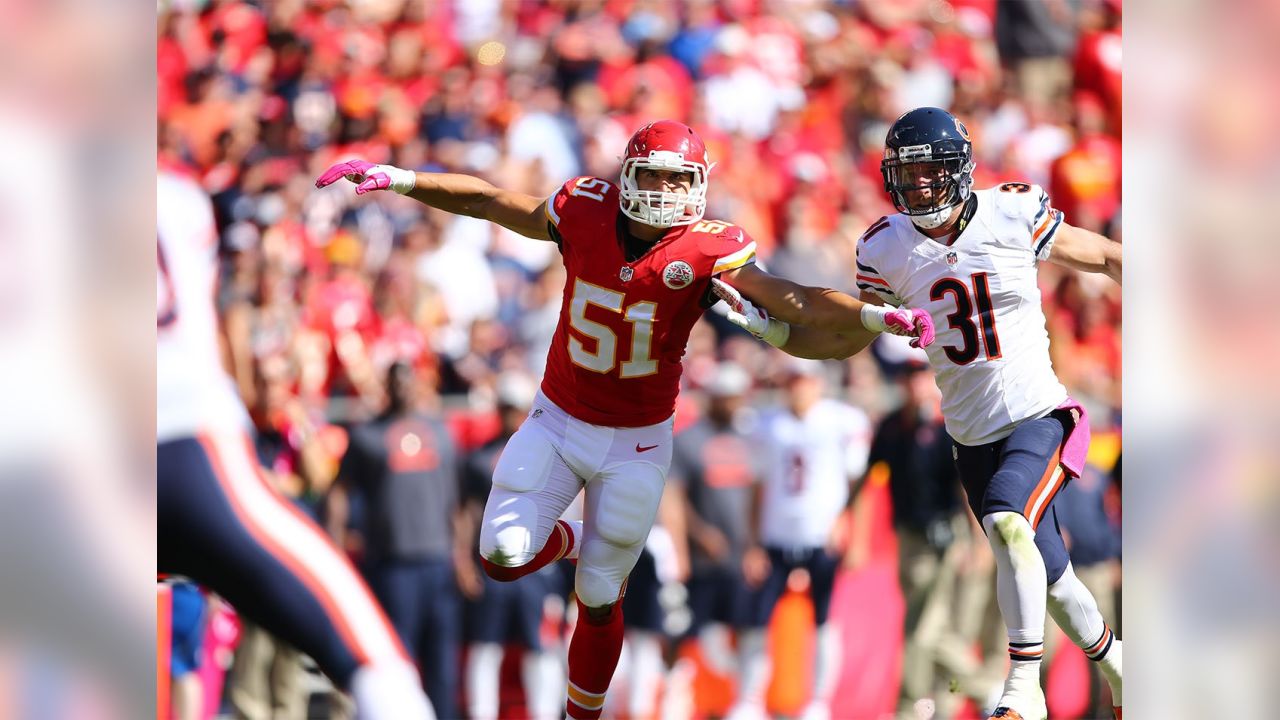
(200, 536)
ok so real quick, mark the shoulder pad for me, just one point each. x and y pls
(727, 244)
(876, 228)
(580, 190)
(1019, 199)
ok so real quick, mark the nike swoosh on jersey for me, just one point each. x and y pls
(644, 449)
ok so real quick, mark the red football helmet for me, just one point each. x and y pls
(665, 145)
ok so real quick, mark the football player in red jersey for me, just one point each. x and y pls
(639, 259)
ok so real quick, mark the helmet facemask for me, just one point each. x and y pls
(947, 176)
(658, 208)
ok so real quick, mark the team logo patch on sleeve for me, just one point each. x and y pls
(677, 275)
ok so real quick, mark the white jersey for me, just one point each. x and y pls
(193, 391)
(808, 464)
(991, 355)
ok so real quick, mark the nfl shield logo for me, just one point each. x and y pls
(952, 258)
(625, 273)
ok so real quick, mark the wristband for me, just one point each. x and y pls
(776, 333)
(873, 317)
(402, 181)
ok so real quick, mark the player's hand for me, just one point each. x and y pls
(368, 177)
(755, 566)
(913, 323)
(749, 317)
(713, 543)
(468, 579)
(741, 312)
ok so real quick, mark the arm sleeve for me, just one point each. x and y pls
(1030, 206)
(868, 276)
(1045, 220)
(554, 208)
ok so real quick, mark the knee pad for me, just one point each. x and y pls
(602, 568)
(525, 463)
(507, 531)
(1010, 529)
(628, 505)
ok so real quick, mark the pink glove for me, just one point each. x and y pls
(369, 176)
(911, 322)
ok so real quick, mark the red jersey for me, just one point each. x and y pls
(615, 357)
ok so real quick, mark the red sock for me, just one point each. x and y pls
(593, 656)
(558, 544)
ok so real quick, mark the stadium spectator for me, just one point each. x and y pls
(504, 613)
(404, 465)
(1087, 514)
(933, 537)
(813, 449)
(714, 470)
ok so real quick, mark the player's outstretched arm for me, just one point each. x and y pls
(1087, 251)
(458, 194)
(822, 309)
(807, 342)
(812, 342)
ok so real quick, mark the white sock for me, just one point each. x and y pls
(713, 640)
(484, 665)
(575, 527)
(1110, 667)
(1021, 594)
(390, 691)
(646, 673)
(1075, 611)
(826, 662)
(544, 681)
(754, 666)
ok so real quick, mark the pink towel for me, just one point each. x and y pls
(1075, 447)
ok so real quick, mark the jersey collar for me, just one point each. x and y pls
(967, 212)
(633, 248)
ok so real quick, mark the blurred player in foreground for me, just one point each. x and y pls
(220, 522)
(969, 258)
(639, 260)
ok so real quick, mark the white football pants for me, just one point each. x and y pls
(550, 458)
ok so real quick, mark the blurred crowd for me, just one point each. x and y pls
(324, 294)
(793, 99)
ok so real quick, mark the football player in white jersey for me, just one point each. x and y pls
(812, 447)
(219, 521)
(969, 259)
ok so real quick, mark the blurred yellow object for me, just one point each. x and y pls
(491, 53)
(1104, 450)
(344, 249)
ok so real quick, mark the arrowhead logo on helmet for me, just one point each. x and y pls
(665, 145)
